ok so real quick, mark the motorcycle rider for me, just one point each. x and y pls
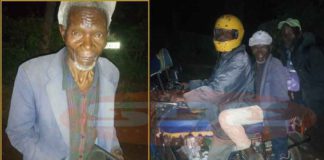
(231, 81)
(272, 97)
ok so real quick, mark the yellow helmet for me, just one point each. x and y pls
(230, 23)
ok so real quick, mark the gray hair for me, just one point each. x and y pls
(107, 7)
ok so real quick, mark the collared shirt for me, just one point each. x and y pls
(83, 110)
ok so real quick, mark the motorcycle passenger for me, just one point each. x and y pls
(232, 78)
(300, 52)
(272, 97)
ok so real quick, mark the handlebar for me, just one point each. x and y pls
(171, 104)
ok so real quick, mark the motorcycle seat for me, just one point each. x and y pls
(254, 128)
(251, 130)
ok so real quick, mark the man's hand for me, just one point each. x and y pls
(185, 85)
(291, 95)
(196, 111)
(176, 98)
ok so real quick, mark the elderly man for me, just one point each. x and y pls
(62, 105)
(272, 98)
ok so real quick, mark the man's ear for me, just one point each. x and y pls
(62, 31)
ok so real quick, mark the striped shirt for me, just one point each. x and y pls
(83, 110)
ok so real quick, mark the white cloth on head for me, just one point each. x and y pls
(109, 7)
(260, 38)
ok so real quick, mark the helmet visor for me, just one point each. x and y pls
(223, 35)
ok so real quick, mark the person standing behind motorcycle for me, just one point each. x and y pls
(272, 97)
(232, 79)
(300, 53)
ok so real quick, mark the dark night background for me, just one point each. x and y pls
(185, 29)
(30, 29)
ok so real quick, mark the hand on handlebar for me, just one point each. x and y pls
(176, 98)
(185, 85)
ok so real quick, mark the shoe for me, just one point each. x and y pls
(285, 157)
(250, 154)
(281, 157)
(236, 155)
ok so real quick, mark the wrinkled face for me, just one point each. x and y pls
(85, 35)
(261, 53)
(288, 35)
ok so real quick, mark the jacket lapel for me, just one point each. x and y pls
(57, 96)
(264, 75)
(106, 99)
(106, 137)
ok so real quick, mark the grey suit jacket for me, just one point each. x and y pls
(38, 124)
(273, 82)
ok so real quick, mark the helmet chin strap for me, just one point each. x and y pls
(82, 67)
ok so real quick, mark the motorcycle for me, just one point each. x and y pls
(179, 133)
(182, 134)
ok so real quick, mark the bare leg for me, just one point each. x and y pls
(232, 121)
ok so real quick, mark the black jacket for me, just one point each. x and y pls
(231, 82)
(308, 61)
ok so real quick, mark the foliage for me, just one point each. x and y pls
(131, 58)
(310, 13)
(21, 41)
(130, 27)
